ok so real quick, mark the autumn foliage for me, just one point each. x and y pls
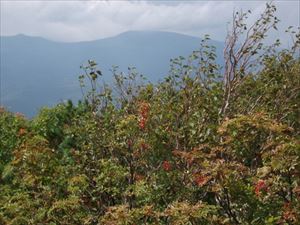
(182, 151)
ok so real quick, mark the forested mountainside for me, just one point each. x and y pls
(36, 72)
(204, 146)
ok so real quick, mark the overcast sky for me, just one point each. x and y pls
(71, 21)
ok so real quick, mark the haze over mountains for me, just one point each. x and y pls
(36, 72)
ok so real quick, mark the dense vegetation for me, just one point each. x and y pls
(208, 145)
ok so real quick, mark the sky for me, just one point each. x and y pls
(72, 21)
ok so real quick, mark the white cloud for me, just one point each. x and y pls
(88, 20)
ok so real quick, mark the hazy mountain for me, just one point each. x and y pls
(36, 72)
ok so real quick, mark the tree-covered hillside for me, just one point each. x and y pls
(36, 72)
(208, 145)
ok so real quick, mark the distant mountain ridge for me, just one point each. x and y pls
(36, 72)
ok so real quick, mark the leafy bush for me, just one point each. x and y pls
(192, 149)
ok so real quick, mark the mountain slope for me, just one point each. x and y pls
(36, 72)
